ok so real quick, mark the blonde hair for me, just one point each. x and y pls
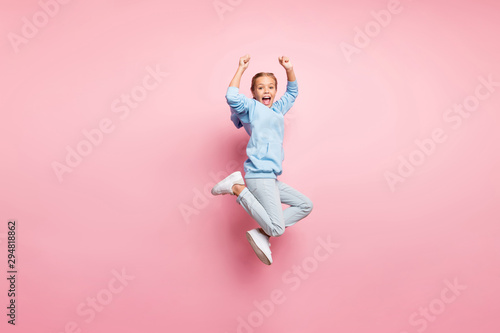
(256, 76)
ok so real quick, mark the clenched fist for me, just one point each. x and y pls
(245, 61)
(285, 62)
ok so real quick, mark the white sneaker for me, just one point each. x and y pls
(225, 186)
(261, 245)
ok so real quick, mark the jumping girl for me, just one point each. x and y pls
(263, 194)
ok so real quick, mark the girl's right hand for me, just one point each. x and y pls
(244, 61)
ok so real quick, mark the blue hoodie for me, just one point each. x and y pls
(265, 125)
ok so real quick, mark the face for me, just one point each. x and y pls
(265, 90)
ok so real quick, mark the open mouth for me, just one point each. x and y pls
(266, 100)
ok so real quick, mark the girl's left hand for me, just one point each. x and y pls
(285, 62)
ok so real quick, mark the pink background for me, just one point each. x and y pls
(121, 207)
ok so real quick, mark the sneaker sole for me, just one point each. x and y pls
(260, 254)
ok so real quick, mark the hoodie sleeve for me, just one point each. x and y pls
(238, 102)
(286, 101)
(235, 119)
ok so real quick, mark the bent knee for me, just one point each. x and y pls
(307, 206)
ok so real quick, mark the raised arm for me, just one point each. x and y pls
(243, 65)
(286, 101)
(287, 65)
(238, 102)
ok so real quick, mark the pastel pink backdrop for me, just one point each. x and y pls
(124, 206)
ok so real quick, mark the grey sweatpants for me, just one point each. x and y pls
(262, 199)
